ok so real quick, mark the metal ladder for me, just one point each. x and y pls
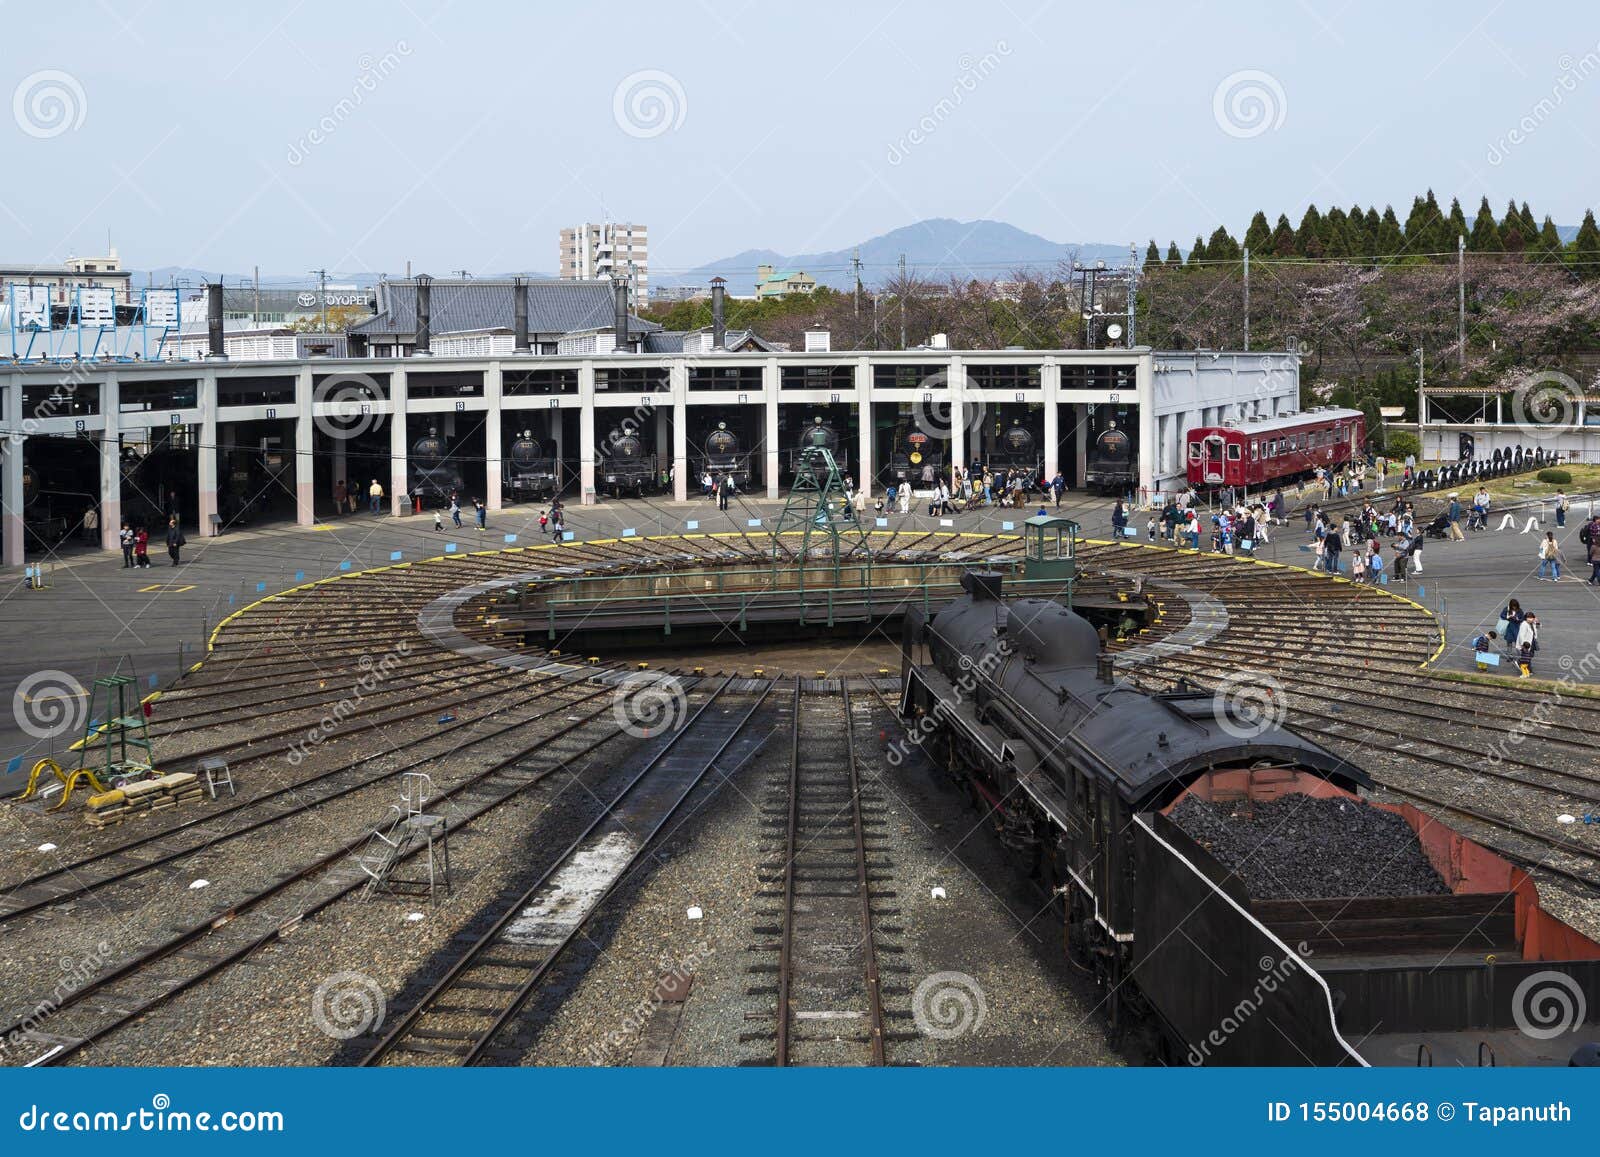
(409, 829)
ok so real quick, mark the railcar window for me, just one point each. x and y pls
(1194, 451)
(1233, 452)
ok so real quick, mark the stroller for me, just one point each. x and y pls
(1439, 527)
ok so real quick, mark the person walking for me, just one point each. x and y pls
(1454, 515)
(141, 549)
(481, 513)
(341, 492)
(1550, 557)
(125, 538)
(175, 539)
(1119, 520)
(1331, 546)
(1593, 546)
(1561, 509)
(375, 494)
(455, 510)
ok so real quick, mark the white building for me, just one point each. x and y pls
(608, 251)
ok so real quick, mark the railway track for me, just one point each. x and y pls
(828, 884)
(465, 1017)
(193, 954)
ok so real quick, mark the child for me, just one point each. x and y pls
(438, 522)
(1527, 644)
(1480, 645)
(544, 522)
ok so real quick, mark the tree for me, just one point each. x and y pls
(1456, 227)
(1198, 253)
(1152, 255)
(1400, 443)
(1485, 237)
(1548, 248)
(1259, 236)
(340, 319)
(1283, 237)
(1513, 236)
(1173, 256)
(1222, 247)
(1308, 238)
(1584, 254)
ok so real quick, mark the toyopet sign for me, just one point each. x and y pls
(311, 299)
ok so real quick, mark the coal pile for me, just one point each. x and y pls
(1302, 847)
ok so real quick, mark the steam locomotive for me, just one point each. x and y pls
(1111, 466)
(721, 456)
(532, 470)
(818, 435)
(1017, 450)
(1082, 774)
(629, 467)
(917, 457)
(434, 477)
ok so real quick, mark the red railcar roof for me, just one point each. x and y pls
(1306, 421)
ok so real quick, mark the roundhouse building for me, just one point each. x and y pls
(480, 364)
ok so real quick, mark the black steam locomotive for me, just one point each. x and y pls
(917, 457)
(532, 470)
(819, 435)
(1017, 450)
(721, 457)
(1082, 775)
(628, 467)
(1111, 466)
(434, 478)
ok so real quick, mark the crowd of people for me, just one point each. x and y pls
(977, 488)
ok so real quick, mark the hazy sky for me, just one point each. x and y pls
(356, 136)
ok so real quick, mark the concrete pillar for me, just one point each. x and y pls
(1050, 383)
(558, 436)
(958, 413)
(493, 391)
(864, 424)
(304, 440)
(1080, 441)
(661, 436)
(399, 445)
(586, 441)
(1145, 379)
(770, 392)
(680, 432)
(207, 454)
(11, 475)
(110, 464)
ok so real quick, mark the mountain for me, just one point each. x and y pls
(935, 249)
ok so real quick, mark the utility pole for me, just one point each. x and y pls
(1133, 289)
(255, 313)
(1247, 300)
(903, 289)
(322, 292)
(1461, 304)
(855, 264)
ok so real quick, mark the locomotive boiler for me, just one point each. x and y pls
(630, 466)
(1111, 465)
(433, 476)
(532, 470)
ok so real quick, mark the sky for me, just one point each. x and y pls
(356, 137)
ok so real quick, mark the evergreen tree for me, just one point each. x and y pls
(1584, 252)
(1222, 247)
(1337, 244)
(1513, 237)
(1173, 256)
(1259, 236)
(1152, 255)
(1530, 227)
(1283, 237)
(1457, 227)
(1548, 248)
(1417, 223)
(1308, 238)
(1390, 241)
(1372, 228)
(1198, 253)
(1485, 236)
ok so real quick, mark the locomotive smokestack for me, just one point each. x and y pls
(985, 586)
(214, 319)
(1105, 668)
(719, 330)
(519, 316)
(424, 314)
(620, 306)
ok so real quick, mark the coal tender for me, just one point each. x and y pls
(1156, 821)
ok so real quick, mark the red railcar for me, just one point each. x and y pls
(1261, 452)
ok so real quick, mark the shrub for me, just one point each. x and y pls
(1555, 477)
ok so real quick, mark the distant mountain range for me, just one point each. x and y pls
(935, 249)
